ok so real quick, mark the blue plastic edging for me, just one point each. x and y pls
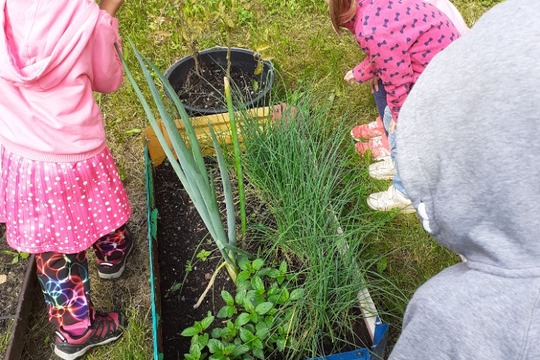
(151, 234)
(379, 339)
(377, 350)
(360, 354)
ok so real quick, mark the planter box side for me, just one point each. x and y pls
(154, 269)
(24, 308)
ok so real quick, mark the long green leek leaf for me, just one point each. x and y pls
(200, 188)
(227, 189)
(152, 120)
(201, 197)
(238, 165)
(178, 143)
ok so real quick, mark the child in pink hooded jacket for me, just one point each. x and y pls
(399, 38)
(374, 136)
(60, 192)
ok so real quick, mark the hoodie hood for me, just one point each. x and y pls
(469, 156)
(30, 59)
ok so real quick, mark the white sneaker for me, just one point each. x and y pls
(383, 170)
(390, 199)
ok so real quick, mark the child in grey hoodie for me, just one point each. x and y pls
(470, 161)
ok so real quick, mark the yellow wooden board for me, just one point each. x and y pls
(220, 124)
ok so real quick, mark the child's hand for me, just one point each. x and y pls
(374, 84)
(349, 77)
(111, 6)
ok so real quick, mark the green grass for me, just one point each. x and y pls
(297, 36)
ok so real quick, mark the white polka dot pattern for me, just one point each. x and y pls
(60, 207)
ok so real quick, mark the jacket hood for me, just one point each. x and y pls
(468, 148)
(40, 40)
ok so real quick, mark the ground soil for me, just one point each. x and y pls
(181, 235)
(206, 91)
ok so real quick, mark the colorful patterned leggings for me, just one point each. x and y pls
(65, 281)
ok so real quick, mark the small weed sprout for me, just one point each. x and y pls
(203, 255)
(16, 256)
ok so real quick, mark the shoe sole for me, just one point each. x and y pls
(66, 356)
(356, 140)
(120, 271)
(363, 138)
(382, 177)
(409, 209)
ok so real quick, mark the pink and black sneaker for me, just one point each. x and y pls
(112, 252)
(105, 329)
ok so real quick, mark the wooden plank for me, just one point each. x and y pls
(367, 306)
(220, 124)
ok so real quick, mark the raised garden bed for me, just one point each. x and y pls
(176, 236)
(18, 288)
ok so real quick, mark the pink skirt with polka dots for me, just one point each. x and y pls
(60, 207)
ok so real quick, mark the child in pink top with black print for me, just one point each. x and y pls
(60, 192)
(372, 136)
(399, 38)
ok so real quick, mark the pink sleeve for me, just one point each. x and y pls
(365, 71)
(107, 71)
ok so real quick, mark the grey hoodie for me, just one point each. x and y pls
(469, 157)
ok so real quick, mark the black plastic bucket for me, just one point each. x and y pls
(243, 58)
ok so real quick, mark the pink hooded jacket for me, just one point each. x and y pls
(53, 55)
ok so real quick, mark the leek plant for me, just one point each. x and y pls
(187, 160)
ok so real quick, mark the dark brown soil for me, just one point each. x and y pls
(181, 236)
(206, 91)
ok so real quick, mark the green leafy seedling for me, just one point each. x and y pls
(257, 318)
(203, 255)
(16, 255)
